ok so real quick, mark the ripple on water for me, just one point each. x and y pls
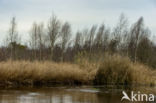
(84, 90)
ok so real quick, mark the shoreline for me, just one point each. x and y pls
(60, 84)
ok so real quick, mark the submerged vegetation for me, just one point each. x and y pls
(114, 70)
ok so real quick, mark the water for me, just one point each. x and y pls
(68, 94)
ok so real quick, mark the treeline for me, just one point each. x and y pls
(55, 42)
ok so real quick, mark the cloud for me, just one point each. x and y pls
(79, 13)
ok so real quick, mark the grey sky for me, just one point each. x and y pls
(80, 13)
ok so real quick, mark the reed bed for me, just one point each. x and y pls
(113, 70)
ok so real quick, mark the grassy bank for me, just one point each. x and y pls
(113, 70)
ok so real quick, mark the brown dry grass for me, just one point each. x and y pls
(26, 71)
(120, 70)
(115, 69)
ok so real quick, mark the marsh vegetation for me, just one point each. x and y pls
(100, 55)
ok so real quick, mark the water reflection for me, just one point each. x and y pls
(64, 95)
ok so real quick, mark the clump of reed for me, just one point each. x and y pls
(116, 69)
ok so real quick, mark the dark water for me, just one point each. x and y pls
(69, 94)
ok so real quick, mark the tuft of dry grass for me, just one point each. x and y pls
(120, 70)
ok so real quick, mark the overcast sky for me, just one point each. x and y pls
(80, 13)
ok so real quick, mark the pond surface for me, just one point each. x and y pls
(69, 94)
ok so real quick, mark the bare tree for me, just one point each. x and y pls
(91, 37)
(136, 33)
(120, 31)
(34, 39)
(99, 37)
(105, 38)
(41, 38)
(12, 35)
(53, 31)
(85, 36)
(65, 36)
(78, 40)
